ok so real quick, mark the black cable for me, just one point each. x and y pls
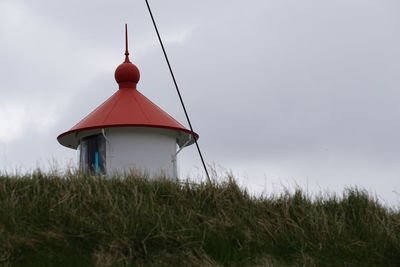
(177, 90)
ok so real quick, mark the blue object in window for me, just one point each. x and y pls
(96, 160)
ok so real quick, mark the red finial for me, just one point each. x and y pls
(126, 44)
(127, 74)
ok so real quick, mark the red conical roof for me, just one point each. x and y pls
(126, 108)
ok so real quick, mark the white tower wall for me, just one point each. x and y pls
(148, 150)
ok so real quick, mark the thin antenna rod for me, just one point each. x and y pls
(177, 90)
(126, 44)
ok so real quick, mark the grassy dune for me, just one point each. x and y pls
(76, 220)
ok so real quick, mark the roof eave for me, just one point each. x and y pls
(68, 139)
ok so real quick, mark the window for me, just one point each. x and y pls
(93, 154)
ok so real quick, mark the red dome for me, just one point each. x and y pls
(127, 73)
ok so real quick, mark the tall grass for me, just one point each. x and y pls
(77, 220)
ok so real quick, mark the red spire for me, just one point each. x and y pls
(126, 44)
(127, 74)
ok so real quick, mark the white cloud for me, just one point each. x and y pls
(13, 117)
(12, 14)
(19, 118)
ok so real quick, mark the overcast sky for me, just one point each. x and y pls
(282, 92)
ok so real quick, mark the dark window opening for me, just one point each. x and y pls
(93, 154)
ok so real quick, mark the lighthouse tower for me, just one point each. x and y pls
(128, 132)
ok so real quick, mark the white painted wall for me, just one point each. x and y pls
(149, 150)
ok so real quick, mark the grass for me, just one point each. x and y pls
(78, 220)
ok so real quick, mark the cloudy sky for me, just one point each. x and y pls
(282, 92)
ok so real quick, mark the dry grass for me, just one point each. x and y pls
(77, 220)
